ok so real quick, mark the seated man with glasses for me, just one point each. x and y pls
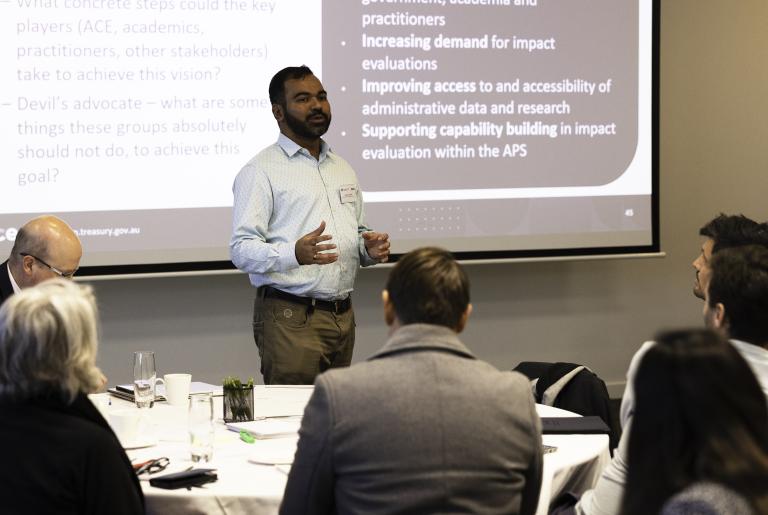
(45, 248)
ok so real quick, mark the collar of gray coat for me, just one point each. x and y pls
(414, 337)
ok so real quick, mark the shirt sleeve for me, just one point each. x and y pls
(365, 259)
(628, 399)
(251, 212)
(310, 485)
(608, 493)
(606, 497)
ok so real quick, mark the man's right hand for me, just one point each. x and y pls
(309, 251)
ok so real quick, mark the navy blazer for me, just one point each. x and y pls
(6, 289)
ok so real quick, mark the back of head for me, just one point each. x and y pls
(48, 342)
(44, 248)
(728, 231)
(739, 281)
(277, 84)
(37, 235)
(700, 415)
(428, 286)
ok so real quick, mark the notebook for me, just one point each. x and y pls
(573, 425)
(125, 391)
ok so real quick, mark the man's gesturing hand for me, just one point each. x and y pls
(308, 252)
(377, 245)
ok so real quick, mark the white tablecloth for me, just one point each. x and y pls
(575, 466)
(248, 487)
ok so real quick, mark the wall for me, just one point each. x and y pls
(713, 131)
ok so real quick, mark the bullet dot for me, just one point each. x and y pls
(343, 88)
(343, 43)
(343, 133)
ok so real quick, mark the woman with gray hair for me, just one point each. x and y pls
(61, 455)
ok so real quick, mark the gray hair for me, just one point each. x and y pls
(48, 341)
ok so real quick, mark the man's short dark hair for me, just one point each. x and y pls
(277, 84)
(728, 231)
(428, 286)
(739, 281)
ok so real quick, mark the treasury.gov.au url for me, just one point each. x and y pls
(110, 232)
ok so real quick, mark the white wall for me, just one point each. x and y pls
(714, 120)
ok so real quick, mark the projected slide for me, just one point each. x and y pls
(481, 125)
(532, 95)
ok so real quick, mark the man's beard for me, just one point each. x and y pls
(305, 129)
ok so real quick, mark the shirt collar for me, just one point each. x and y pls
(412, 337)
(16, 288)
(750, 348)
(291, 148)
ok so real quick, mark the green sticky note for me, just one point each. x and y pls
(247, 437)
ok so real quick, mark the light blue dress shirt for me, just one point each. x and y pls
(284, 193)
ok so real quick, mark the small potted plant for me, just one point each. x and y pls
(238, 400)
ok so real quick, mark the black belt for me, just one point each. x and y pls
(334, 306)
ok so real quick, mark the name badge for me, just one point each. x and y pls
(348, 193)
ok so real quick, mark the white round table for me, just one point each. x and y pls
(246, 486)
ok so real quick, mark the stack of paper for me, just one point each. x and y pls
(268, 428)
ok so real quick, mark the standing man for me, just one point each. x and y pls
(44, 248)
(299, 232)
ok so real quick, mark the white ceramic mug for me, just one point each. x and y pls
(125, 423)
(177, 388)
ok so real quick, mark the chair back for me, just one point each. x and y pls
(571, 387)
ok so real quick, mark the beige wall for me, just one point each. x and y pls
(714, 123)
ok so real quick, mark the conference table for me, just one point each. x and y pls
(252, 476)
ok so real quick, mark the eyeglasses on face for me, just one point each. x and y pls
(65, 275)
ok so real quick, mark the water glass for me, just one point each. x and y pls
(144, 378)
(201, 431)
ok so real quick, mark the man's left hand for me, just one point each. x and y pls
(377, 245)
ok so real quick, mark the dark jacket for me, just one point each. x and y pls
(6, 290)
(63, 458)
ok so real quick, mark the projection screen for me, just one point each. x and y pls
(494, 128)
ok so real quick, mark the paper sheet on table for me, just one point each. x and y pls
(273, 452)
(269, 428)
(280, 402)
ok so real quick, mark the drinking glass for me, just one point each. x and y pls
(144, 378)
(201, 426)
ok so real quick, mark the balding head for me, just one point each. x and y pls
(42, 244)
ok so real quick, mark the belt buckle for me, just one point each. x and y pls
(335, 307)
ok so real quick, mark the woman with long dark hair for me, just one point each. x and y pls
(699, 437)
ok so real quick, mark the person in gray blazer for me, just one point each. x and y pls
(422, 426)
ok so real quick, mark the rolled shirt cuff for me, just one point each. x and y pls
(287, 256)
